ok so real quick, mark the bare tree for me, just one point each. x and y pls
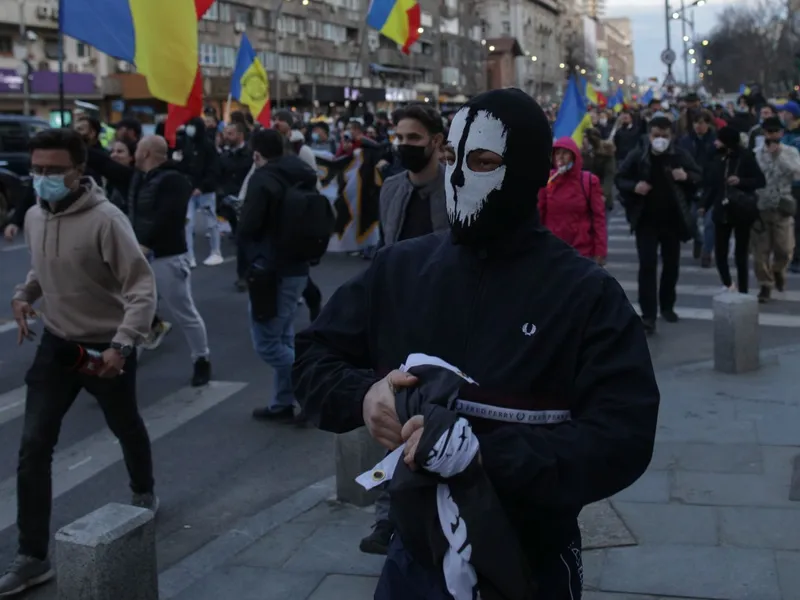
(751, 45)
(573, 51)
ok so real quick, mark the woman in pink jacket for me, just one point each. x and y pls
(572, 205)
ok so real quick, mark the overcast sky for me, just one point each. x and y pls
(649, 29)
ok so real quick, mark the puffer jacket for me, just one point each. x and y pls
(572, 206)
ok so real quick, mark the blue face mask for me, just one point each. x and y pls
(50, 188)
(315, 137)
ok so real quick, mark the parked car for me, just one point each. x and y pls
(15, 164)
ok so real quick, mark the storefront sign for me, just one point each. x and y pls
(46, 82)
(400, 95)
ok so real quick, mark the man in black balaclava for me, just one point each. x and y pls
(565, 413)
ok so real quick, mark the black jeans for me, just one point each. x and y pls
(722, 240)
(312, 295)
(52, 389)
(241, 262)
(651, 294)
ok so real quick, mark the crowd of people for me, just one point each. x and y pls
(481, 214)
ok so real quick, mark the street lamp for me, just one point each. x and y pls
(705, 42)
(483, 42)
(583, 71)
(686, 38)
(420, 30)
(561, 66)
(621, 82)
(534, 59)
(491, 48)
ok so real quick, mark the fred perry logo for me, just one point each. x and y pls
(378, 475)
(529, 329)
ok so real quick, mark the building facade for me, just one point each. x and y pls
(29, 52)
(615, 44)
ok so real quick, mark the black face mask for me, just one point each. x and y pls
(414, 158)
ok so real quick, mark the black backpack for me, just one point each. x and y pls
(307, 222)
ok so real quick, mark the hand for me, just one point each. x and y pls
(23, 311)
(733, 180)
(701, 212)
(679, 174)
(10, 232)
(412, 433)
(600, 260)
(196, 193)
(380, 415)
(113, 362)
(643, 188)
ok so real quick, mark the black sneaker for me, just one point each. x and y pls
(764, 294)
(283, 415)
(378, 541)
(202, 372)
(670, 316)
(649, 325)
(24, 573)
(698, 249)
(780, 281)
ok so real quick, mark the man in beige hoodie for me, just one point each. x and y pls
(98, 298)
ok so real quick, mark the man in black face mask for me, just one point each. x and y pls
(566, 407)
(412, 202)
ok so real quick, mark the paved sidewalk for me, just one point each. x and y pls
(710, 520)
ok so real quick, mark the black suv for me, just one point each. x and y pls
(15, 162)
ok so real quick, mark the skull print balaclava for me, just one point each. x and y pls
(488, 205)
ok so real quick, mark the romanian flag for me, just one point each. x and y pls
(398, 20)
(250, 84)
(573, 118)
(158, 36)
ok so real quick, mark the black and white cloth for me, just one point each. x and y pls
(448, 511)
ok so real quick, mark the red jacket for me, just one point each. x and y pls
(573, 208)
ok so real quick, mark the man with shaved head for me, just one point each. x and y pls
(158, 197)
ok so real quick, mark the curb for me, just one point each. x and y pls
(200, 563)
(769, 357)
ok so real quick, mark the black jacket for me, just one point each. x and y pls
(743, 164)
(235, 164)
(638, 167)
(156, 202)
(200, 161)
(625, 141)
(259, 219)
(89, 172)
(567, 339)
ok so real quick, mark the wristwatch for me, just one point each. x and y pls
(123, 349)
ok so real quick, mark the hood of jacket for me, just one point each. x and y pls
(292, 169)
(567, 143)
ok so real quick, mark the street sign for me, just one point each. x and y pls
(668, 57)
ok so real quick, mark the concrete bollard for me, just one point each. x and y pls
(356, 452)
(109, 554)
(736, 333)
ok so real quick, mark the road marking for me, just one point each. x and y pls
(13, 247)
(10, 325)
(85, 459)
(708, 291)
(12, 405)
(688, 269)
(706, 314)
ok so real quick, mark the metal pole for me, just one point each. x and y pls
(668, 16)
(360, 57)
(685, 43)
(61, 104)
(26, 71)
(276, 16)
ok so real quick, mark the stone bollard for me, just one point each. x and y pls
(356, 452)
(736, 333)
(109, 554)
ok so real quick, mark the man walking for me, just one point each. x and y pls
(98, 296)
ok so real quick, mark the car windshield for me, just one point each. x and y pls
(13, 137)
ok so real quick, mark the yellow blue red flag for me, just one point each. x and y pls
(398, 20)
(573, 118)
(158, 36)
(250, 84)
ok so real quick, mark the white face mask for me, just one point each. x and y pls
(191, 130)
(660, 145)
(486, 132)
(603, 121)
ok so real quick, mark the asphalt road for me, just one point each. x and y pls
(214, 465)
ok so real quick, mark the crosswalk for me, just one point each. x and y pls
(697, 286)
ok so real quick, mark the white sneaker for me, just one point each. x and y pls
(192, 263)
(732, 289)
(213, 260)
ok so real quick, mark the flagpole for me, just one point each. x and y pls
(61, 105)
(359, 59)
(226, 117)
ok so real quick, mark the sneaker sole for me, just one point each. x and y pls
(31, 583)
(158, 341)
(373, 548)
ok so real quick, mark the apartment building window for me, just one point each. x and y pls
(209, 56)
(243, 15)
(334, 33)
(51, 48)
(313, 28)
(268, 60)
(449, 26)
(426, 19)
(288, 24)
(292, 64)
(354, 69)
(224, 12)
(6, 45)
(506, 27)
(227, 56)
(451, 75)
(451, 4)
(212, 14)
(81, 50)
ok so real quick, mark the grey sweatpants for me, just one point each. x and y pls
(174, 287)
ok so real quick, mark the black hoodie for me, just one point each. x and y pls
(260, 215)
(200, 160)
(544, 332)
